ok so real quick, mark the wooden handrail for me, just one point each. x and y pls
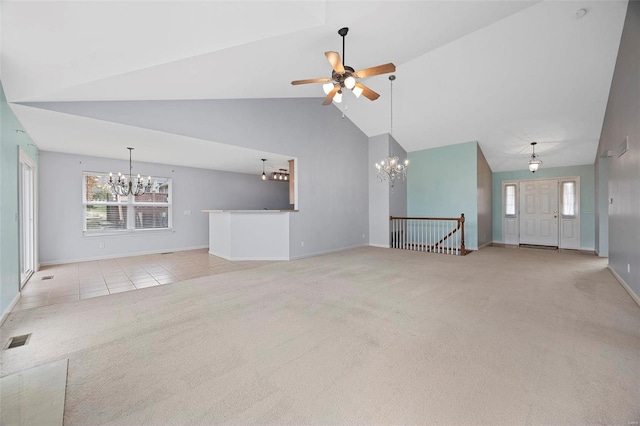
(429, 218)
(460, 226)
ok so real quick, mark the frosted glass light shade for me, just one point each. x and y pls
(357, 91)
(327, 88)
(337, 98)
(349, 82)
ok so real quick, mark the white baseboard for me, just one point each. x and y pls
(119, 256)
(247, 258)
(304, 256)
(379, 245)
(485, 245)
(7, 311)
(622, 282)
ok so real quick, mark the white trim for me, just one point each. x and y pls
(634, 296)
(7, 311)
(559, 179)
(120, 256)
(484, 245)
(379, 245)
(234, 259)
(127, 232)
(503, 212)
(576, 217)
(24, 158)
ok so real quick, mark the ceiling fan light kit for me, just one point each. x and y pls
(346, 77)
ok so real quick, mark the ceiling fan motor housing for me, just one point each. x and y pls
(340, 78)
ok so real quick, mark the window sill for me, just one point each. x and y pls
(126, 233)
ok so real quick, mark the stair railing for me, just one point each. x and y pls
(428, 234)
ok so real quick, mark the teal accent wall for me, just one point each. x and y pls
(10, 140)
(443, 182)
(587, 197)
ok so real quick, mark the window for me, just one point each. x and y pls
(108, 213)
(569, 199)
(510, 200)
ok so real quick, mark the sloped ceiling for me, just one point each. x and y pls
(502, 73)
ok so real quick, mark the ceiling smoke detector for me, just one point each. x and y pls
(580, 13)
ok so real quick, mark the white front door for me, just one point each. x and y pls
(539, 212)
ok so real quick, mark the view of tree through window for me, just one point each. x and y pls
(106, 212)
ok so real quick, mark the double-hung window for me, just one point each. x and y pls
(105, 212)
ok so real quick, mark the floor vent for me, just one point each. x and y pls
(169, 252)
(17, 341)
(48, 277)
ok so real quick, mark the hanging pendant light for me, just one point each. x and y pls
(123, 188)
(264, 176)
(534, 162)
(391, 168)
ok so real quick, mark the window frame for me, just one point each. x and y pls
(575, 198)
(130, 204)
(515, 200)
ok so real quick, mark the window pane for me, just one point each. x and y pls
(152, 217)
(159, 192)
(104, 218)
(568, 198)
(97, 189)
(510, 200)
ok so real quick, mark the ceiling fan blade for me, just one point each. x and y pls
(311, 80)
(368, 93)
(380, 69)
(330, 96)
(335, 61)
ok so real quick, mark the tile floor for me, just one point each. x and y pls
(83, 280)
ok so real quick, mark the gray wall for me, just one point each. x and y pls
(622, 119)
(10, 140)
(484, 200)
(398, 194)
(331, 152)
(378, 193)
(602, 207)
(384, 201)
(61, 237)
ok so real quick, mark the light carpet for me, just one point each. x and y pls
(364, 336)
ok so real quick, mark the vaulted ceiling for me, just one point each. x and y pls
(503, 73)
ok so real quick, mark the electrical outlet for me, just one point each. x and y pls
(101, 244)
(628, 268)
(363, 236)
(187, 212)
(301, 243)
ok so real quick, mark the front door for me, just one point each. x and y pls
(539, 212)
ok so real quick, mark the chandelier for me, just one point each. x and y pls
(534, 162)
(391, 168)
(122, 187)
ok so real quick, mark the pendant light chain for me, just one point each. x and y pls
(391, 129)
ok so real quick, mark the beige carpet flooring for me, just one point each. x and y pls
(365, 336)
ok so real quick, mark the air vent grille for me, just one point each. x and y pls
(48, 277)
(17, 341)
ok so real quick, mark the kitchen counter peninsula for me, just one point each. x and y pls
(249, 234)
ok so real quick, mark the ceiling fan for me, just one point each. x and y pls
(344, 76)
